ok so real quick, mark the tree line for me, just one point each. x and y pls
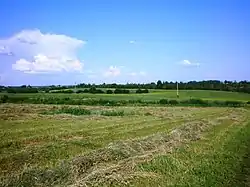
(234, 86)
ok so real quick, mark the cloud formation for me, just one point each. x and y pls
(132, 42)
(140, 73)
(38, 52)
(5, 51)
(188, 63)
(112, 71)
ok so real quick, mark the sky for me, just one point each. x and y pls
(95, 41)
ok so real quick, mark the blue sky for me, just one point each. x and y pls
(63, 42)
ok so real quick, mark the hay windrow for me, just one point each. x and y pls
(111, 163)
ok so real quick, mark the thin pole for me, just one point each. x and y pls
(177, 90)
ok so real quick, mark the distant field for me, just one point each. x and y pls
(153, 95)
(52, 145)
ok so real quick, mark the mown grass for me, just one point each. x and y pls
(117, 149)
(222, 159)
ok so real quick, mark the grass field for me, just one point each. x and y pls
(53, 145)
(153, 95)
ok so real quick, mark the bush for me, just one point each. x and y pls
(121, 91)
(4, 99)
(74, 111)
(219, 103)
(64, 91)
(85, 91)
(233, 103)
(173, 102)
(79, 91)
(109, 92)
(142, 91)
(93, 90)
(22, 90)
(248, 102)
(99, 91)
(198, 101)
(163, 101)
(112, 113)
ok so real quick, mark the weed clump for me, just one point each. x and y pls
(163, 101)
(4, 99)
(112, 113)
(109, 92)
(69, 110)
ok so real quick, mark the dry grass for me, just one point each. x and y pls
(95, 150)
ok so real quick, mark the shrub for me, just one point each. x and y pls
(112, 113)
(248, 102)
(4, 99)
(64, 91)
(219, 103)
(163, 101)
(99, 91)
(198, 101)
(233, 103)
(22, 90)
(79, 91)
(85, 91)
(121, 91)
(109, 92)
(142, 91)
(173, 102)
(93, 90)
(74, 111)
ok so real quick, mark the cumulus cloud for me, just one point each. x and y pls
(188, 63)
(38, 52)
(43, 64)
(112, 71)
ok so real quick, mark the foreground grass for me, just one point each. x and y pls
(221, 159)
(155, 146)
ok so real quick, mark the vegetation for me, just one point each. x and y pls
(142, 91)
(173, 146)
(241, 86)
(106, 102)
(114, 135)
(121, 91)
(112, 113)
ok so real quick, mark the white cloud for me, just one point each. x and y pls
(133, 74)
(188, 63)
(112, 71)
(43, 64)
(5, 51)
(132, 42)
(38, 52)
(140, 73)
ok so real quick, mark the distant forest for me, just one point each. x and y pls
(241, 86)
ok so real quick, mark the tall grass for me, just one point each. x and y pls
(112, 113)
(107, 102)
